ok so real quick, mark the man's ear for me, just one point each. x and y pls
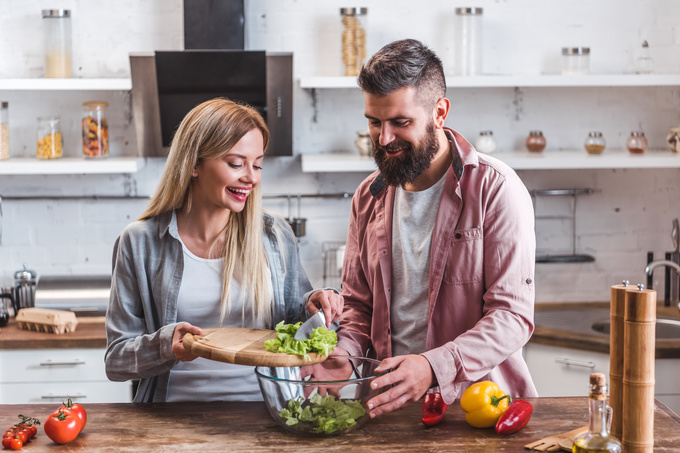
(440, 112)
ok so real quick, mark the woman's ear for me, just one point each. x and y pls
(441, 111)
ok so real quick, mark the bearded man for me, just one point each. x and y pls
(438, 277)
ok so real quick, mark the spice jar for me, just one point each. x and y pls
(95, 129)
(575, 60)
(644, 64)
(57, 39)
(595, 143)
(637, 142)
(468, 41)
(4, 130)
(364, 143)
(353, 39)
(536, 141)
(486, 143)
(50, 142)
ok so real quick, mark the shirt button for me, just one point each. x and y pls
(528, 281)
(458, 235)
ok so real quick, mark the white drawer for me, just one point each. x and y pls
(52, 365)
(58, 392)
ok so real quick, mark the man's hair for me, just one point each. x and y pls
(405, 63)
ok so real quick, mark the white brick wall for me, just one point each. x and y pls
(630, 212)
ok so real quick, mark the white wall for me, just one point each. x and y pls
(630, 212)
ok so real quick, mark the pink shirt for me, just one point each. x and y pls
(481, 286)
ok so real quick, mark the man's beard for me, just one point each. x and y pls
(411, 163)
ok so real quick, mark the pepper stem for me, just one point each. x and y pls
(495, 401)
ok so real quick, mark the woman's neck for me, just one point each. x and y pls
(200, 229)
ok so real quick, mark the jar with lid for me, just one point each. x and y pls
(486, 143)
(644, 64)
(637, 142)
(95, 129)
(50, 141)
(595, 143)
(364, 143)
(353, 39)
(575, 60)
(57, 41)
(468, 28)
(535, 141)
(4, 130)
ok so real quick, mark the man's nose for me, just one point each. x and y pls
(386, 135)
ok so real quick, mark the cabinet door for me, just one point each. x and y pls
(52, 365)
(57, 392)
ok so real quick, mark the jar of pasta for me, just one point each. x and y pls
(353, 39)
(95, 129)
(50, 142)
(57, 38)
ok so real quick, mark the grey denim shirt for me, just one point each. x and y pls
(141, 317)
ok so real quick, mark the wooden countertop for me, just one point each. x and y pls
(568, 337)
(248, 427)
(90, 333)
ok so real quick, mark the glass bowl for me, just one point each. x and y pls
(326, 399)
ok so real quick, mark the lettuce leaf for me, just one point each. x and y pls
(323, 414)
(321, 341)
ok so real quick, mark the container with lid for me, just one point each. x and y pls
(95, 129)
(57, 41)
(25, 284)
(4, 130)
(644, 64)
(637, 142)
(575, 60)
(50, 142)
(595, 143)
(468, 32)
(535, 141)
(486, 143)
(353, 39)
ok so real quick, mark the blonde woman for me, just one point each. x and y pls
(204, 254)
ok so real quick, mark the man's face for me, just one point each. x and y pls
(403, 134)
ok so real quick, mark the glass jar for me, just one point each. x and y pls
(364, 143)
(50, 142)
(95, 129)
(595, 143)
(57, 41)
(353, 39)
(644, 64)
(468, 29)
(4, 130)
(486, 143)
(535, 141)
(637, 142)
(575, 60)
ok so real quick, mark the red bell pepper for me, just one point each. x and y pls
(433, 410)
(515, 418)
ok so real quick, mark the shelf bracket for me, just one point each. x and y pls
(518, 102)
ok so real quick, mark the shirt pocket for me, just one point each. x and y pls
(465, 260)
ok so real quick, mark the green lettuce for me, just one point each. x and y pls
(323, 414)
(321, 341)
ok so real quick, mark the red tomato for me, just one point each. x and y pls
(33, 430)
(62, 426)
(7, 440)
(23, 435)
(78, 410)
(16, 444)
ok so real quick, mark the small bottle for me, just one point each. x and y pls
(57, 39)
(598, 439)
(486, 143)
(468, 26)
(4, 130)
(353, 39)
(637, 142)
(95, 129)
(595, 143)
(535, 141)
(50, 142)
(644, 64)
(575, 60)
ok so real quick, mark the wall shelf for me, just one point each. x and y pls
(39, 84)
(519, 160)
(71, 165)
(500, 81)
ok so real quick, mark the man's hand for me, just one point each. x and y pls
(329, 301)
(410, 377)
(177, 346)
(328, 370)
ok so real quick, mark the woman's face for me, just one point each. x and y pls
(226, 182)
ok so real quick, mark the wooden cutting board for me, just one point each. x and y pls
(243, 346)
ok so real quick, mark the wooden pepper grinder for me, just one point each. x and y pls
(638, 370)
(617, 310)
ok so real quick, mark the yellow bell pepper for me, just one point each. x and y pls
(484, 403)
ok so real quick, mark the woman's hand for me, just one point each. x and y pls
(177, 346)
(327, 300)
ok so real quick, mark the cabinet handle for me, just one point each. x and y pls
(71, 363)
(64, 397)
(575, 363)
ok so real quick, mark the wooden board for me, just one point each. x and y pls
(242, 346)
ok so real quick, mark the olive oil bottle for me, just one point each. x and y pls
(598, 439)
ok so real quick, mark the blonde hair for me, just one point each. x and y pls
(209, 131)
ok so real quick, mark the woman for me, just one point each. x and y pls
(204, 254)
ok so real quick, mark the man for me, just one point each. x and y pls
(439, 262)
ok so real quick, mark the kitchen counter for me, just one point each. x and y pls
(90, 333)
(219, 427)
(569, 325)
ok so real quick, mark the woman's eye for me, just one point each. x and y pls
(257, 168)
(235, 165)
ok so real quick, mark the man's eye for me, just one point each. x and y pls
(375, 123)
(401, 123)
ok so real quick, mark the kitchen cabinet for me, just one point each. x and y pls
(53, 375)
